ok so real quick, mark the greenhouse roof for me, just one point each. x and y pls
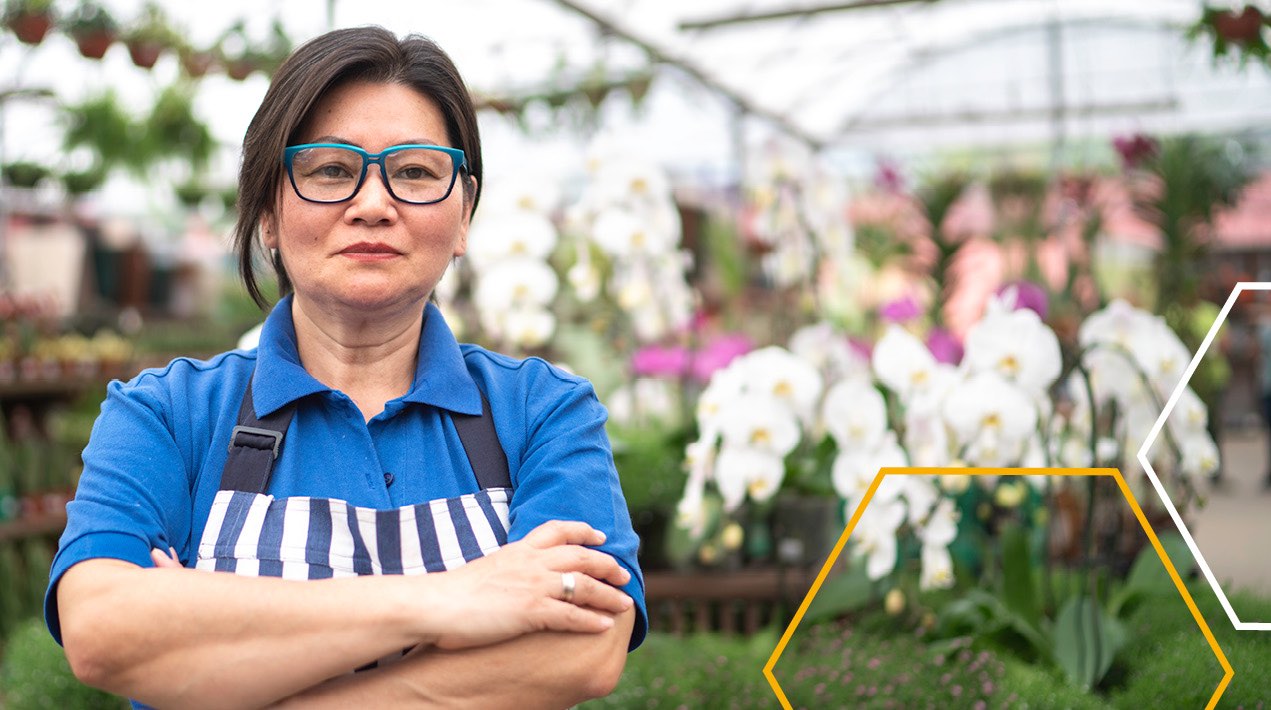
(864, 78)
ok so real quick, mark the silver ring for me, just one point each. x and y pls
(567, 584)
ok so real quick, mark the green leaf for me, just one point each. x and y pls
(1148, 576)
(1019, 591)
(840, 594)
(1087, 639)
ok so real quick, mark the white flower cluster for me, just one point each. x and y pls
(800, 213)
(508, 247)
(1135, 363)
(751, 415)
(627, 211)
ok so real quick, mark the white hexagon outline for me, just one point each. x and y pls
(1156, 481)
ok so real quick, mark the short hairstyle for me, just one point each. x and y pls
(355, 54)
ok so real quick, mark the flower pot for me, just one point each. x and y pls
(93, 45)
(239, 69)
(31, 28)
(196, 64)
(1241, 28)
(145, 53)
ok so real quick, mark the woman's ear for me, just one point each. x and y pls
(268, 232)
(469, 195)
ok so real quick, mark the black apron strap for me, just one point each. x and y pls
(481, 443)
(254, 446)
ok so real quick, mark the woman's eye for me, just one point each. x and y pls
(332, 171)
(414, 172)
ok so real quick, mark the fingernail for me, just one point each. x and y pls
(601, 535)
(173, 550)
(606, 622)
(627, 602)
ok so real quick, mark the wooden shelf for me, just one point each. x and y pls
(42, 525)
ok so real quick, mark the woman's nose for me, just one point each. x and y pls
(373, 203)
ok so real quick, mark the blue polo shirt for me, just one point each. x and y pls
(157, 451)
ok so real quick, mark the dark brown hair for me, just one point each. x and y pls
(356, 54)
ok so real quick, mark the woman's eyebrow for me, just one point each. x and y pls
(346, 141)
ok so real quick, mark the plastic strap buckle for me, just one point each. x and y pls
(276, 436)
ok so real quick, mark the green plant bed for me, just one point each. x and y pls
(869, 662)
(34, 674)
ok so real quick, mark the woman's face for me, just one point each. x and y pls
(372, 251)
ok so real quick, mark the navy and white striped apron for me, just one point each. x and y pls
(249, 532)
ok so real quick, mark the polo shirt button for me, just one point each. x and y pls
(388, 479)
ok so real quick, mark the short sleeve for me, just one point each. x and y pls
(567, 473)
(134, 493)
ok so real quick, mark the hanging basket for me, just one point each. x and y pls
(1243, 28)
(239, 69)
(197, 63)
(30, 28)
(93, 45)
(145, 53)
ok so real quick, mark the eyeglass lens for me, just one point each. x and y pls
(329, 174)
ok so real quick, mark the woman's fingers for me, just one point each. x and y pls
(564, 532)
(587, 592)
(165, 559)
(593, 563)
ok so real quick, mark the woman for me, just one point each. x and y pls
(356, 443)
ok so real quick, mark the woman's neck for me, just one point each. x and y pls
(370, 359)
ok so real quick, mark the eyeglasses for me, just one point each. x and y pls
(333, 172)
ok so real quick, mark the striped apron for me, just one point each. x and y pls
(251, 533)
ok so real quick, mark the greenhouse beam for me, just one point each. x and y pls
(724, 20)
(660, 56)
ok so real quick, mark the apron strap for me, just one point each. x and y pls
(255, 445)
(481, 443)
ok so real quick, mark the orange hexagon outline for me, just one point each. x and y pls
(1228, 672)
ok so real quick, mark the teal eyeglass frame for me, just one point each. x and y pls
(457, 160)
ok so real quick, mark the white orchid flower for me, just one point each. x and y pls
(1200, 455)
(1161, 354)
(742, 471)
(875, 536)
(940, 526)
(926, 437)
(1015, 344)
(760, 422)
(623, 234)
(503, 235)
(520, 281)
(920, 494)
(991, 417)
(854, 471)
(527, 327)
(937, 569)
(520, 193)
(779, 373)
(1116, 324)
(855, 414)
(1189, 414)
(828, 350)
(903, 363)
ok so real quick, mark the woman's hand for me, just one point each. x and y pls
(521, 588)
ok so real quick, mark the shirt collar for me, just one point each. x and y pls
(441, 376)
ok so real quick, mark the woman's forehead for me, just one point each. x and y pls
(358, 111)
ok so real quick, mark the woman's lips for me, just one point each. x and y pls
(369, 251)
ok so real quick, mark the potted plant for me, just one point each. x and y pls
(92, 28)
(234, 52)
(80, 182)
(24, 174)
(195, 62)
(29, 20)
(149, 37)
(1231, 31)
